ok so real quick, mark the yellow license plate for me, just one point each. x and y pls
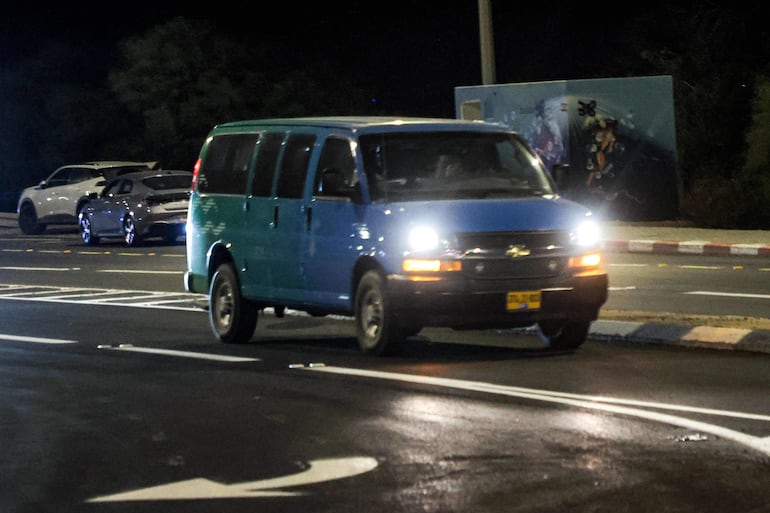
(524, 300)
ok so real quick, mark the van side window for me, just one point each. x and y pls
(291, 181)
(226, 165)
(339, 165)
(267, 155)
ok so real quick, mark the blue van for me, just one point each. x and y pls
(401, 223)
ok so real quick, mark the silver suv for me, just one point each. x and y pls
(59, 198)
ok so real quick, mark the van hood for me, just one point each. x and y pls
(456, 216)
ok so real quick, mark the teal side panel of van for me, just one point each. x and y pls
(337, 236)
(286, 239)
(213, 220)
(256, 246)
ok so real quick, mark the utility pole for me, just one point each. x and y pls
(487, 43)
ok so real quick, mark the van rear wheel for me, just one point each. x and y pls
(377, 329)
(233, 318)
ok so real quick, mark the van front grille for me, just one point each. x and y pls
(514, 255)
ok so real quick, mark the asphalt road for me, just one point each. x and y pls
(114, 396)
(108, 408)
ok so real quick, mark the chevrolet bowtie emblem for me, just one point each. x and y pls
(517, 251)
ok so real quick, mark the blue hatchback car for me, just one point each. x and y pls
(401, 223)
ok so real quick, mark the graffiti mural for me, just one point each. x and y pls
(612, 141)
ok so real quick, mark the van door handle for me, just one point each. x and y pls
(308, 218)
(275, 216)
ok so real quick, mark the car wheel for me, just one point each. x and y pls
(232, 317)
(86, 230)
(28, 220)
(377, 330)
(130, 235)
(560, 335)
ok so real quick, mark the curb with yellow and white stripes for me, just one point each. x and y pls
(735, 339)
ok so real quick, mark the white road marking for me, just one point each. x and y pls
(183, 354)
(629, 265)
(728, 294)
(110, 297)
(704, 267)
(135, 271)
(318, 471)
(632, 287)
(15, 268)
(579, 401)
(36, 340)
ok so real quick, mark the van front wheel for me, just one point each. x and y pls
(564, 335)
(377, 330)
(233, 318)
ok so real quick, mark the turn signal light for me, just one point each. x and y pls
(587, 260)
(421, 265)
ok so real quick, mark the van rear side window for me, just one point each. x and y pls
(225, 168)
(267, 155)
(296, 157)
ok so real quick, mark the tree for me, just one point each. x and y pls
(755, 175)
(711, 51)
(185, 76)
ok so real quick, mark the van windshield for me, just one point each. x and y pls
(419, 166)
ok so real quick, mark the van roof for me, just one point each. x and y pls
(366, 122)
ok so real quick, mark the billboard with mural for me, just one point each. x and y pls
(611, 140)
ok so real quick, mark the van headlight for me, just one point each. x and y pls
(586, 237)
(422, 262)
(423, 238)
(586, 234)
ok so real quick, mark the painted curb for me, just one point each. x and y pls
(734, 339)
(692, 247)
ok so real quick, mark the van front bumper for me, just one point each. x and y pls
(481, 304)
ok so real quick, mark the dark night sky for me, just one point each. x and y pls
(410, 54)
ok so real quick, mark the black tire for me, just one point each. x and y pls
(376, 327)
(28, 220)
(130, 235)
(86, 230)
(564, 335)
(410, 330)
(233, 318)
